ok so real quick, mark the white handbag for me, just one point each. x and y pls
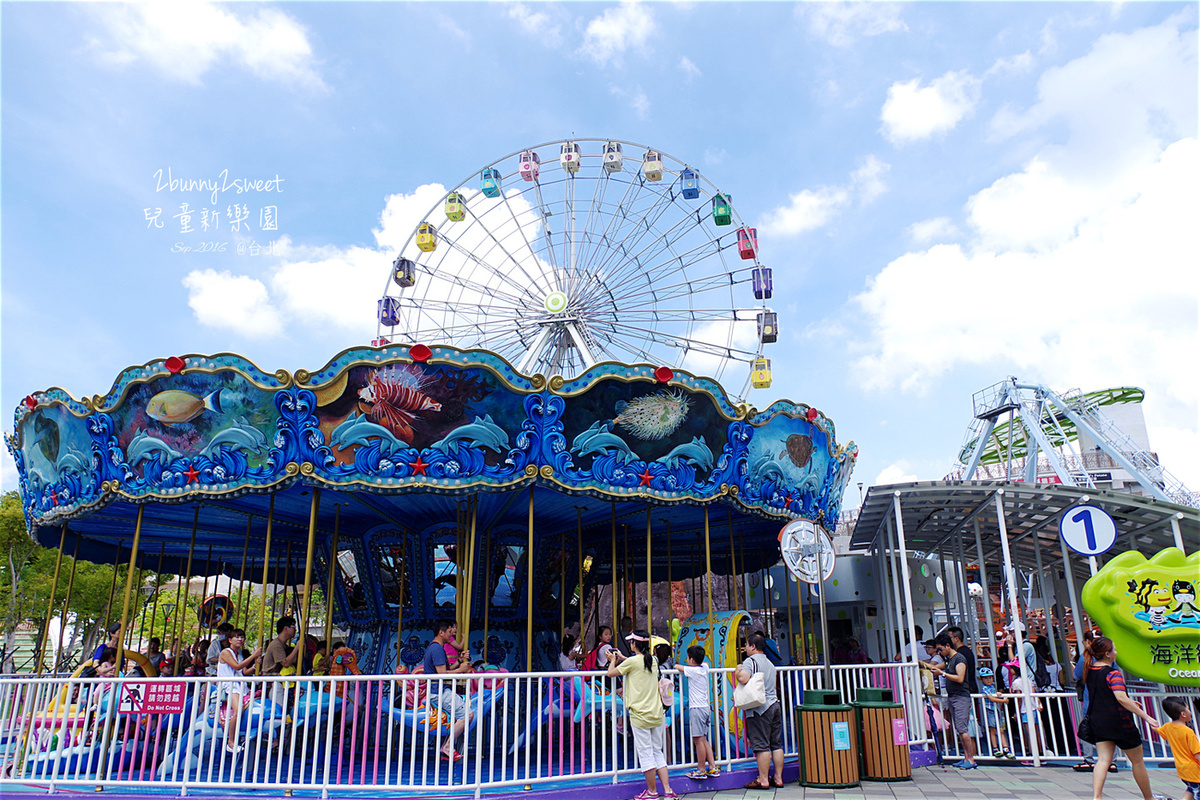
(751, 694)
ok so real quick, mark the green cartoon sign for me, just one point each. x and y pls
(1149, 609)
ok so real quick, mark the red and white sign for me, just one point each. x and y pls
(153, 698)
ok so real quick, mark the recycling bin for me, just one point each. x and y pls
(827, 737)
(883, 731)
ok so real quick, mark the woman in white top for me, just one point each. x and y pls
(231, 668)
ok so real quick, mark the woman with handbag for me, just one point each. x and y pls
(1108, 719)
(761, 711)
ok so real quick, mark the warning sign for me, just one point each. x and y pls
(157, 697)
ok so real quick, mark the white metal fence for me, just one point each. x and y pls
(369, 732)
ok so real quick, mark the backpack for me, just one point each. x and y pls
(1041, 675)
(589, 661)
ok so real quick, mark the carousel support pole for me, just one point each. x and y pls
(306, 607)
(330, 577)
(529, 589)
(242, 574)
(708, 577)
(579, 569)
(137, 539)
(628, 608)
(181, 607)
(112, 588)
(287, 576)
(615, 628)
(262, 610)
(469, 588)
(460, 565)
(800, 592)
(162, 551)
(200, 607)
(400, 600)
(45, 637)
(562, 582)
(649, 578)
(733, 598)
(62, 625)
(487, 590)
(787, 589)
(670, 586)
(127, 630)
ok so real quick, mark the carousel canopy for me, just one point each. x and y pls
(398, 438)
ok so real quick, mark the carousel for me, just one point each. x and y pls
(526, 440)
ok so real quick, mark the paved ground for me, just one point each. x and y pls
(945, 783)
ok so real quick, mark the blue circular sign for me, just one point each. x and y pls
(1087, 530)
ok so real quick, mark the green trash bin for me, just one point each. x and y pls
(827, 737)
(883, 732)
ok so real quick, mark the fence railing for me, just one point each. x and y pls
(369, 732)
(999, 727)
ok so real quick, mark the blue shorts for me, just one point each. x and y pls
(698, 722)
(1194, 788)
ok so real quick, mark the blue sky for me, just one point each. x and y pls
(948, 193)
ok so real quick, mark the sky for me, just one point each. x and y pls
(948, 193)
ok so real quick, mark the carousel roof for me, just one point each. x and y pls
(399, 438)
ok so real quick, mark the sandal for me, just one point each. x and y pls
(754, 784)
(454, 756)
(778, 784)
(647, 795)
(1083, 766)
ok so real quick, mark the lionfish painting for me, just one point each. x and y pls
(653, 416)
(395, 399)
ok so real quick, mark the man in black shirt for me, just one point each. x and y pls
(956, 639)
(958, 698)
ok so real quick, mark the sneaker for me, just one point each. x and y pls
(964, 764)
(715, 772)
(1006, 753)
(697, 775)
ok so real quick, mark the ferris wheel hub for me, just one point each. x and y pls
(556, 302)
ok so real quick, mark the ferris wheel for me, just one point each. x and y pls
(570, 253)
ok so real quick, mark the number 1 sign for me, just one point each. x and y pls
(1087, 530)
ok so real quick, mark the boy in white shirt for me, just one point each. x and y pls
(696, 671)
(1027, 715)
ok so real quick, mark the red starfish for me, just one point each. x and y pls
(418, 466)
(646, 477)
(787, 501)
(53, 497)
(192, 474)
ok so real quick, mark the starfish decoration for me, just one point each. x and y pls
(418, 466)
(193, 475)
(646, 477)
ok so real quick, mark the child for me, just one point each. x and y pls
(1185, 745)
(696, 671)
(1029, 716)
(992, 699)
(645, 712)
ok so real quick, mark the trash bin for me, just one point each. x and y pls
(883, 731)
(827, 737)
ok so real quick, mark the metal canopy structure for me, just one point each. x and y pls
(934, 512)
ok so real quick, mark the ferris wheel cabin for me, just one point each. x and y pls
(404, 272)
(768, 327)
(747, 243)
(722, 205)
(690, 184)
(569, 157)
(760, 374)
(389, 311)
(613, 159)
(455, 207)
(427, 237)
(490, 182)
(529, 165)
(652, 165)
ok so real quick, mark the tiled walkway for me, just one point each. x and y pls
(986, 783)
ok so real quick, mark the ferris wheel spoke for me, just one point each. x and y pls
(675, 264)
(613, 238)
(533, 281)
(503, 277)
(546, 233)
(548, 280)
(599, 185)
(685, 342)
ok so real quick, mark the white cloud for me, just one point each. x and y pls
(1018, 64)
(810, 209)
(9, 479)
(638, 100)
(841, 24)
(868, 179)
(184, 40)
(928, 230)
(536, 23)
(236, 302)
(689, 69)
(714, 156)
(607, 37)
(912, 112)
(899, 472)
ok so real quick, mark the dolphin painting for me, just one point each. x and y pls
(143, 445)
(582, 439)
(238, 436)
(72, 460)
(603, 442)
(480, 433)
(696, 451)
(766, 467)
(357, 430)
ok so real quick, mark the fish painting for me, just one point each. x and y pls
(395, 399)
(176, 406)
(798, 448)
(653, 416)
